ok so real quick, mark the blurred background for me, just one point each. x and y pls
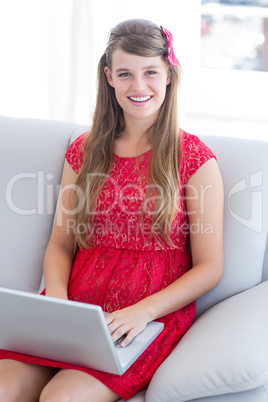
(50, 49)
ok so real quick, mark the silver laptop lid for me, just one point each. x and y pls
(56, 329)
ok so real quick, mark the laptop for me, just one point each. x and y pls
(66, 331)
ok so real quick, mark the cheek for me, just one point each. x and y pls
(119, 88)
(119, 95)
(163, 91)
(160, 85)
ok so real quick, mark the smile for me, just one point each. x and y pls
(140, 98)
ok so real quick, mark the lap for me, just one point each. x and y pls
(23, 381)
(74, 385)
(27, 382)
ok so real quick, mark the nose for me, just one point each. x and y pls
(138, 83)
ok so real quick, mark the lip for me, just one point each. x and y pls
(143, 101)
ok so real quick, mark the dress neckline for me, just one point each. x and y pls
(133, 157)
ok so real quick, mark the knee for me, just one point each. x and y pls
(47, 396)
(53, 394)
(9, 391)
(9, 384)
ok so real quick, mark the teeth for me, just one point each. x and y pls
(140, 98)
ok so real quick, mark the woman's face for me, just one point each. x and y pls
(139, 83)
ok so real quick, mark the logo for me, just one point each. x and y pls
(255, 221)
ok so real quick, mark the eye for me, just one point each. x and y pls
(123, 75)
(151, 72)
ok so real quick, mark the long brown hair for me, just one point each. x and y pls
(143, 38)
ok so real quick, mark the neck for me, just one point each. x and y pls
(133, 140)
(136, 130)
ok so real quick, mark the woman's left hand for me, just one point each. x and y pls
(130, 321)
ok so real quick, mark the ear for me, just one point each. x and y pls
(108, 74)
(168, 77)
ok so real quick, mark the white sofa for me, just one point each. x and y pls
(224, 355)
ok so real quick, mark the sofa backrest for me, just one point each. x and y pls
(244, 167)
(32, 157)
(265, 264)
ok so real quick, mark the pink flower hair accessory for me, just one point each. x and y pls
(170, 52)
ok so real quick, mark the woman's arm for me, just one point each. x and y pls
(204, 201)
(59, 254)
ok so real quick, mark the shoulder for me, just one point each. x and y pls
(75, 152)
(191, 144)
(193, 154)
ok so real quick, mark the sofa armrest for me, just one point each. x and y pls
(224, 351)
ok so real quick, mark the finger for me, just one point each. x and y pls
(130, 336)
(114, 327)
(115, 316)
(109, 319)
(117, 323)
(119, 332)
(113, 322)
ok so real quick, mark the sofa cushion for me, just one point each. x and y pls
(225, 351)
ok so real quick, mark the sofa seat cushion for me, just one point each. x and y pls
(225, 351)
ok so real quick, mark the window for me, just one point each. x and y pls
(229, 96)
(234, 37)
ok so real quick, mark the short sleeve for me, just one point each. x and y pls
(75, 152)
(193, 154)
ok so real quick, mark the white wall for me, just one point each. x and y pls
(51, 50)
(23, 55)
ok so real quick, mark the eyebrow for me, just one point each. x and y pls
(119, 70)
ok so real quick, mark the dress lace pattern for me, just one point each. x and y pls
(126, 264)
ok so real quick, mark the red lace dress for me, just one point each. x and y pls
(124, 267)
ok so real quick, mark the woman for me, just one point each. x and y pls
(135, 190)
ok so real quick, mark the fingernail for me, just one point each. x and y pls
(123, 344)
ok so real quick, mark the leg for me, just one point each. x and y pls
(23, 382)
(74, 385)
